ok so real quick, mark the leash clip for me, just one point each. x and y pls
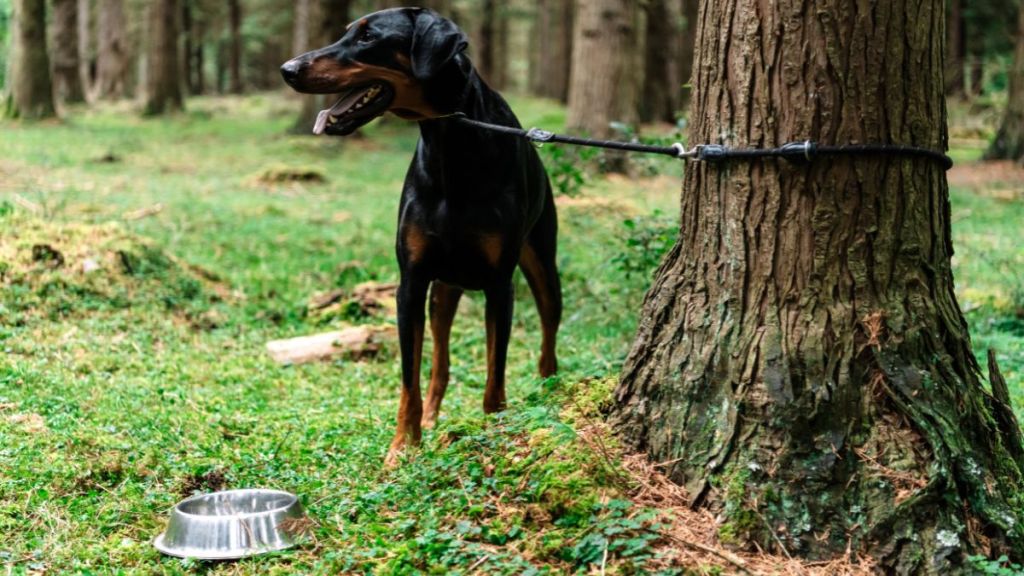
(538, 135)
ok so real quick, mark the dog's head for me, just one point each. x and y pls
(386, 61)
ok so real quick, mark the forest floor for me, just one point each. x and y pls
(144, 264)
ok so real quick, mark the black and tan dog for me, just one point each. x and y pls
(474, 206)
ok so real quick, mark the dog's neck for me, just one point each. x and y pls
(448, 145)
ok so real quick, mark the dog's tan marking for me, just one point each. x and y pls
(410, 407)
(415, 241)
(492, 247)
(535, 274)
(444, 303)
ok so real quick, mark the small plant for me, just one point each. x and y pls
(999, 567)
(645, 242)
(566, 167)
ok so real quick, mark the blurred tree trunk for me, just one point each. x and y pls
(492, 44)
(603, 87)
(112, 53)
(163, 75)
(801, 360)
(327, 20)
(955, 49)
(86, 47)
(188, 27)
(67, 79)
(551, 49)
(662, 93)
(1009, 142)
(686, 54)
(29, 89)
(235, 49)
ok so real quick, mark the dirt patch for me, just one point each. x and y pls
(1002, 179)
(196, 483)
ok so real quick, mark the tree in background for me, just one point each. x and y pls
(551, 49)
(663, 86)
(1009, 142)
(605, 83)
(86, 46)
(67, 77)
(235, 45)
(28, 88)
(163, 76)
(802, 364)
(317, 23)
(112, 51)
(490, 51)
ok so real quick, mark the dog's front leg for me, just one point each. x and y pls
(500, 301)
(412, 296)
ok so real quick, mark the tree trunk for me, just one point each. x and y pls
(64, 36)
(112, 55)
(686, 52)
(955, 49)
(551, 49)
(331, 16)
(29, 90)
(86, 46)
(603, 87)
(491, 48)
(235, 50)
(163, 79)
(801, 362)
(1009, 142)
(662, 91)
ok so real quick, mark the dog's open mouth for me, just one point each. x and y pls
(354, 109)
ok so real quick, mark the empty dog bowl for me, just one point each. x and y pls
(233, 524)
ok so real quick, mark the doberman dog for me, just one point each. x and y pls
(474, 204)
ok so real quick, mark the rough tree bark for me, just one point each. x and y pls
(235, 47)
(112, 52)
(686, 54)
(551, 49)
(64, 38)
(662, 90)
(29, 89)
(604, 84)
(1009, 142)
(163, 91)
(955, 49)
(802, 363)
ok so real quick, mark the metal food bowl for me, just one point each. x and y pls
(233, 524)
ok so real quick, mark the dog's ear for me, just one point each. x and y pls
(435, 42)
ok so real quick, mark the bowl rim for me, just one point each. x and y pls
(292, 499)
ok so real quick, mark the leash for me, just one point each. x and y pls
(805, 151)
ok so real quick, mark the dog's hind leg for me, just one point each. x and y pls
(412, 296)
(444, 301)
(500, 302)
(537, 262)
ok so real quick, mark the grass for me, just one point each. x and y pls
(127, 387)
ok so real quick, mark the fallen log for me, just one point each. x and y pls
(357, 342)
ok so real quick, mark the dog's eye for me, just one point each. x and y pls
(366, 36)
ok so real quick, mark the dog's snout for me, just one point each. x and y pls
(290, 70)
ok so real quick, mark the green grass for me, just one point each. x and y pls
(123, 389)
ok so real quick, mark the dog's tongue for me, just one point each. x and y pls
(321, 122)
(347, 101)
